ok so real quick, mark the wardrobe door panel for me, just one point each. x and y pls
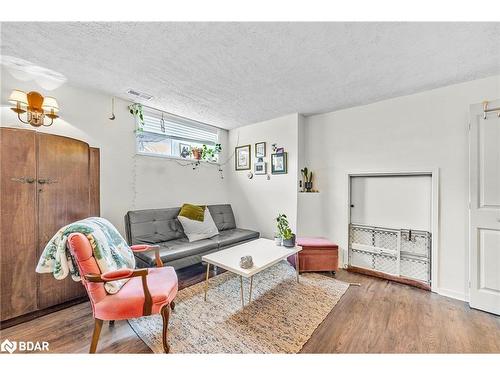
(95, 176)
(63, 197)
(18, 222)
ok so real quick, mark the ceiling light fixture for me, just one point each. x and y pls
(36, 106)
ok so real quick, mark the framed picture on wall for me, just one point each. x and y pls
(242, 159)
(279, 163)
(260, 149)
(260, 167)
(184, 150)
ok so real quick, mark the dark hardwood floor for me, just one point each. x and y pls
(377, 317)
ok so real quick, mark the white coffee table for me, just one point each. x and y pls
(264, 253)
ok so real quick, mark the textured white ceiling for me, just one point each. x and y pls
(232, 74)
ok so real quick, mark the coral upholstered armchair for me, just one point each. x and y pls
(149, 290)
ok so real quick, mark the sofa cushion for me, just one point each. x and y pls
(233, 236)
(146, 226)
(176, 249)
(129, 301)
(318, 242)
(223, 216)
(152, 238)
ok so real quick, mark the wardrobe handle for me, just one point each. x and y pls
(24, 180)
(46, 181)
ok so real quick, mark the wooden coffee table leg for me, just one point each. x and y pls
(297, 266)
(250, 294)
(206, 280)
(241, 285)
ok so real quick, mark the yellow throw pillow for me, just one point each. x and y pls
(193, 212)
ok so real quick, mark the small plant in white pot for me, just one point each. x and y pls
(277, 239)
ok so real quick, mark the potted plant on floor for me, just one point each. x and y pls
(277, 239)
(281, 224)
(286, 236)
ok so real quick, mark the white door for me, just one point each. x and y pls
(484, 216)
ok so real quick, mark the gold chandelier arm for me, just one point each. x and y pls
(51, 122)
(20, 119)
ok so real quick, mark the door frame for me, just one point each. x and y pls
(434, 173)
(476, 111)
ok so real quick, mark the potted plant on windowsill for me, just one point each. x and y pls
(196, 153)
(207, 153)
(210, 153)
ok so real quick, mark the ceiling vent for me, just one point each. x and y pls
(138, 94)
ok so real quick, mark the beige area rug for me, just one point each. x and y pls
(280, 319)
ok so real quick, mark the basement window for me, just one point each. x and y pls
(167, 135)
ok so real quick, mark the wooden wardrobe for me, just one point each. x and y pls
(47, 181)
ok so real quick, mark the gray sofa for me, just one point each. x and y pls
(161, 227)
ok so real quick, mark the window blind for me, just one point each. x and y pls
(179, 128)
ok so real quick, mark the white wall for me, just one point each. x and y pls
(398, 202)
(422, 131)
(163, 183)
(157, 182)
(257, 201)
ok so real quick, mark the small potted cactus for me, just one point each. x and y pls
(308, 175)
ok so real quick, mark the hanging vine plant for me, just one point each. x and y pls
(137, 111)
(209, 153)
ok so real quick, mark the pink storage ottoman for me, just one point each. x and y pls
(318, 254)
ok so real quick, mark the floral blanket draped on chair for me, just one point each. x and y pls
(109, 248)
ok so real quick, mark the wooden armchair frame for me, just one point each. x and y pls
(155, 248)
(148, 303)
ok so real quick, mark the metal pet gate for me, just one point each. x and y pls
(397, 252)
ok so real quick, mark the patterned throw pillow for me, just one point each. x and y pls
(192, 212)
(197, 230)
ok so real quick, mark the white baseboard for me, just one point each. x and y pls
(452, 294)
